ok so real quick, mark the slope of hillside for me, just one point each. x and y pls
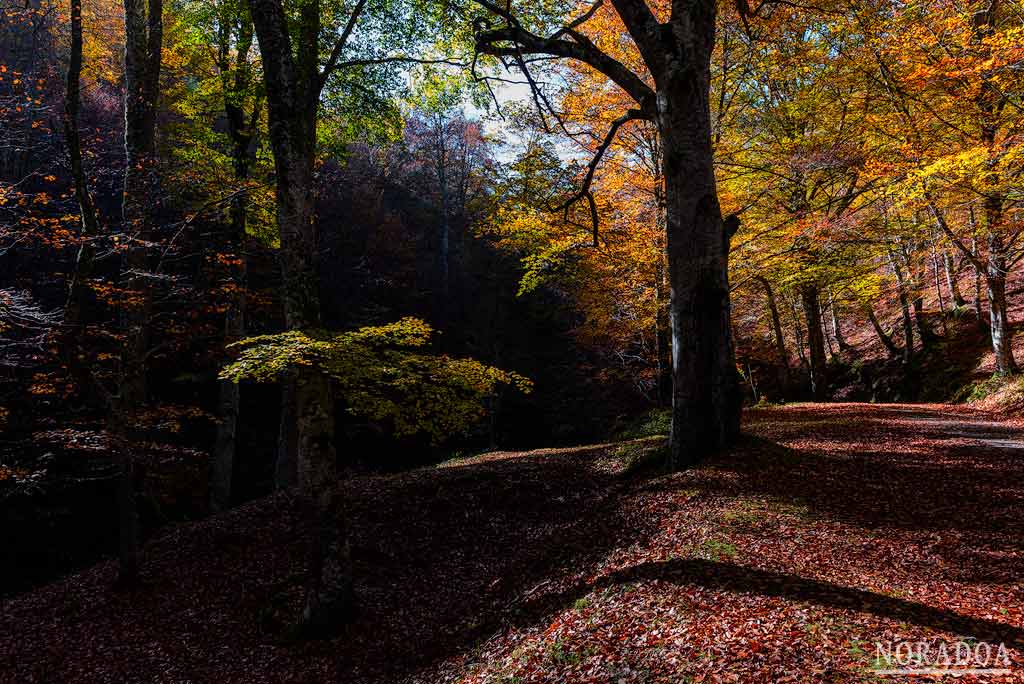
(832, 527)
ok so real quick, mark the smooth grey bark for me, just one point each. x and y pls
(809, 297)
(999, 323)
(952, 282)
(993, 269)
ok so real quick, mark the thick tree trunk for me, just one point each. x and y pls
(782, 359)
(705, 392)
(1002, 333)
(886, 341)
(815, 340)
(293, 89)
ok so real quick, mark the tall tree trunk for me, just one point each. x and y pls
(705, 391)
(991, 101)
(78, 286)
(952, 283)
(886, 341)
(293, 91)
(241, 131)
(142, 59)
(444, 229)
(815, 339)
(782, 358)
(938, 282)
(798, 331)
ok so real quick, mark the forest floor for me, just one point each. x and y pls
(829, 529)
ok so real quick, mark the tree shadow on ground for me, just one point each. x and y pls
(735, 578)
(446, 557)
(896, 468)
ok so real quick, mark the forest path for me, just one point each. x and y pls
(830, 528)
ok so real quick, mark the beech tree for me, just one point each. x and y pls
(669, 87)
(308, 47)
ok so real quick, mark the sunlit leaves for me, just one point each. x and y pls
(383, 373)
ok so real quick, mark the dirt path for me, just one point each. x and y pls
(832, 528)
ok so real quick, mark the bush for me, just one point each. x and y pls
(654, 423)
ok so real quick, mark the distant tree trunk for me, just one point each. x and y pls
(938, 281)
(241, 131)
(951, 280)
(78, 286)
(142, 59)
(977, 285)
(908, 322)
(886, 341)
(782, 357)
(444, 236)
(837, 329)
(293, 83)
(815, 339)
(828, 341)
(916, 286)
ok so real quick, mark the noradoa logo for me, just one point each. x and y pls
(939, 657)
